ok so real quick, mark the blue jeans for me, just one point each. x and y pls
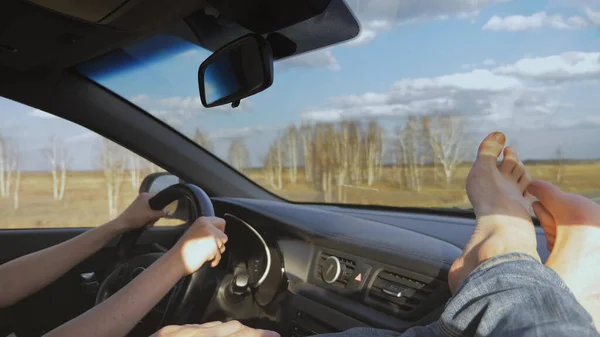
(511, 295)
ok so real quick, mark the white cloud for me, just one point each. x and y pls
(556, 68)
(365, 36)
(322, 58)
(476, 92)
(84, 136)
(176, 110)
(181, 102)
(468, 66)
(409, 11)
(538, 20)
(244, 132)
(41, 114)
(377, 16)
(489, 62)
(140, 99)
(593, 16)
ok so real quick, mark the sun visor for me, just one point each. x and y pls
(86, 10)
(334, 25)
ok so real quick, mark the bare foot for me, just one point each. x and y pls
(572, 226)
(503, 222)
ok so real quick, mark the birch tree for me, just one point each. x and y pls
(406, 149)
(373, 150)
(273, 165)
(306, 133)
(114, 166)
(290, 142)
(238, 155)
(135, 168)
(4, 166)
(342, 155)
(353, 140)
(448, 137)
(57, 156)
(9, 167)
(17, 184)
(324, 160)
(203, 140)
(10, 171)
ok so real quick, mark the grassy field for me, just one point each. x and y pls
(85, 203)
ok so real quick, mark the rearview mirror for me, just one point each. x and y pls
(240, 69)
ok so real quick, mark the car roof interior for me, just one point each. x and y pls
(42, 40)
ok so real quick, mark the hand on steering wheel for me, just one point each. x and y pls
(204, 241)
(213, 329)
(138, 214)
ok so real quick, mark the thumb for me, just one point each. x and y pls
(548, 194)
(267, 333)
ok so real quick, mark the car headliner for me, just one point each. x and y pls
(38, 49)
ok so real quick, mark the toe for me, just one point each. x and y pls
(549, 195)
(491, 147)
(524, 181)
(509, 162)
(518, 171)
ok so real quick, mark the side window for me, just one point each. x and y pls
(56, 174)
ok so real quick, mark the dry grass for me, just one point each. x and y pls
(85, 203)
(578, 178)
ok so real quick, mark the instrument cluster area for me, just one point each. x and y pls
(254, 260)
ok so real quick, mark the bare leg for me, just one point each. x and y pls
(503, 222)
(572, 226)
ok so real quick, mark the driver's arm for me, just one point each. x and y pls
(204, 241)
(26, 275)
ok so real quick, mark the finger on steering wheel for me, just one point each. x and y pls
(216, 259)
(218, 223)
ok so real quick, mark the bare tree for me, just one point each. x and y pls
(290, 143)
(353, 140)
(9, 165)
(406, 152)
(324, 159)
(3, 167)
(114, 165)
(10, 171)
(448, 137)
(56, 154)
(373, 146)
(306, 132)
(17, 185)
(342, 158)
(273, 164)
(560, 166)
(135, 168)
(203, 140)
(238, 155)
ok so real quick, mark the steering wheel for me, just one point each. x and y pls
(191, 290)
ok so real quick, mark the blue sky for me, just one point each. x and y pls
(530, 68)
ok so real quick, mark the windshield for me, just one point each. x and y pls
(394, 116)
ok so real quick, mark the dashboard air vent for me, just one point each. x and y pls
(398, 294)
(335, 270)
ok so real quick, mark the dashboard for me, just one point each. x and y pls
(327, 269)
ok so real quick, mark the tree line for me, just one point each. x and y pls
(352, 153)
(118, 165)
(328, 157)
